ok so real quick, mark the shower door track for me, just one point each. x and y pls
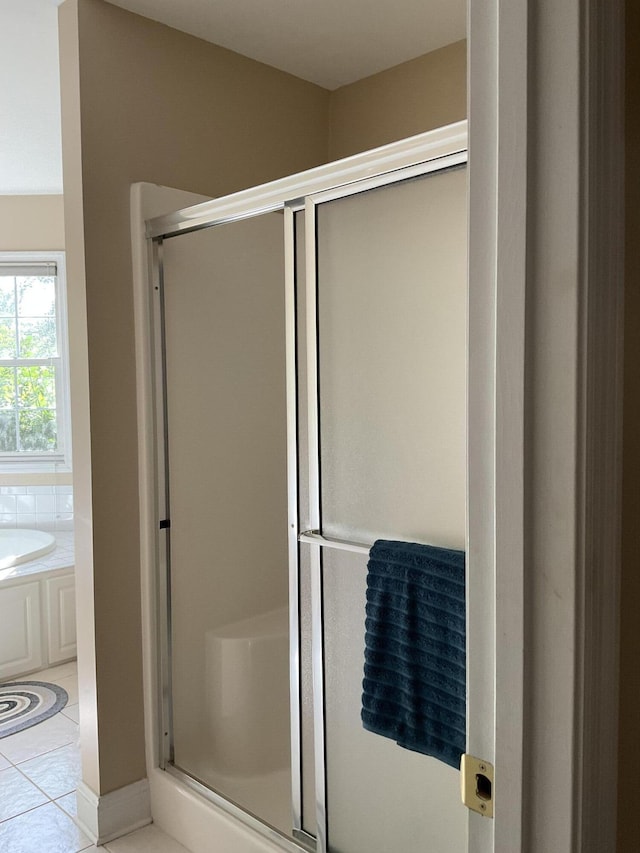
(431, 152)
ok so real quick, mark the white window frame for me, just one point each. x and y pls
(60, 461)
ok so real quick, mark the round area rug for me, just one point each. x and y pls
(25, 703)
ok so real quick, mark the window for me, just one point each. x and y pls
(33, 363)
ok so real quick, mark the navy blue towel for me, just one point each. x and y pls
(414, 688)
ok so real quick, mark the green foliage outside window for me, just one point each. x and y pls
(28, 332)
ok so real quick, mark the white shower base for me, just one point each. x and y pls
(266, 795)
(247, 707)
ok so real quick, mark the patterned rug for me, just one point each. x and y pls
(26, 703)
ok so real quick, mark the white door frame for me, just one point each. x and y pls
(545, 255)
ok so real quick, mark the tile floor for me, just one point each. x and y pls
(39, 771)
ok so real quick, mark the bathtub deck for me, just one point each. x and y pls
(61, 557)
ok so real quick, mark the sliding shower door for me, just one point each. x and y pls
(389, 283)
(311, 369)
(225, 449)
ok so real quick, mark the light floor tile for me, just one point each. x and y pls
(53, 673)
(46, 829)
(70, 684)
(4, 763)
(73, 712)
(57, 772)
(43, 737)
(149, 839)
(18, 794)
(69, 804)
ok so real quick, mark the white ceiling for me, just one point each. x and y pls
(328, 42)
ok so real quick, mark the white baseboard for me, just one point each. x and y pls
(109, 816)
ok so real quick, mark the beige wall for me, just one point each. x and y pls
(160, 106)
(416, 96)
(629, 743)
(79, 380)
(143, 102)
(31, 223)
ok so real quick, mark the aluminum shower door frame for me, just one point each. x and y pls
(427, 153)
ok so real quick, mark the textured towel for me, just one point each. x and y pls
(414, 688)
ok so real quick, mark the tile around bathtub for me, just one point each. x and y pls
(58, 562)
(23, 569)
(26, 519)
(8, 504)
(25, 503)
(64, 503)
(60, 555)
(45, 503)
(4, 763)
(54, 557)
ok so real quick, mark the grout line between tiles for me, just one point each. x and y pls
(47, 751)
(26, 811)
(35, 784)
(62, 810)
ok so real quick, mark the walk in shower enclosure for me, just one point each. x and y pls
(310, 359)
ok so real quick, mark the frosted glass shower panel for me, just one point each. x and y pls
(380, 797)
(226, 458)
(391, 295)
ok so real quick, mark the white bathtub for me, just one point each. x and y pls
(20, 546)
(37, 600)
